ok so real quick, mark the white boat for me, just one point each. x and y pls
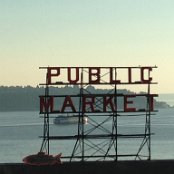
(69, 119)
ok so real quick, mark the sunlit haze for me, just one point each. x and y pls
(85, 33)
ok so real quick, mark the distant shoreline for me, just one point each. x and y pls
(27, 98)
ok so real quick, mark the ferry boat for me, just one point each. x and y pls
(69, 119)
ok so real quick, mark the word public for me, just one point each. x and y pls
(98, 75)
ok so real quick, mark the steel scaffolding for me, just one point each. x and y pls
(100, 140)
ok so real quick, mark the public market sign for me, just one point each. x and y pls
(96, 103)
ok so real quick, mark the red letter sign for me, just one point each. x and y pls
(106, 102)
(68, 103)
(126, 102)
(142, 74)
(95, 75)
(111, 77)
(50, 74)
(45, 104)
(90, 103)
(76, 76)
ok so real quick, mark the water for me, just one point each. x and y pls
(169, 98)
(20, 131)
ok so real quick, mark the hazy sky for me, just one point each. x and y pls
(36, 33)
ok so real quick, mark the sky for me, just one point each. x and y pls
(37, 33)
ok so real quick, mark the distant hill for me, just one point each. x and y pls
(18, 98)
(168, 98)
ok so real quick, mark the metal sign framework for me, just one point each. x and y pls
(98, 141)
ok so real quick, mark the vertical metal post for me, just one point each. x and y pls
(115, 117)
(47, 117)
(82, 116)
(80, 137)
(45, 142)
(149, 119)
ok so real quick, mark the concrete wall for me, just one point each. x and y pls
(120, 167)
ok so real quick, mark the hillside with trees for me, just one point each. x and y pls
(18, 98)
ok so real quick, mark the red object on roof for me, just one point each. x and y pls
(41, 159)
